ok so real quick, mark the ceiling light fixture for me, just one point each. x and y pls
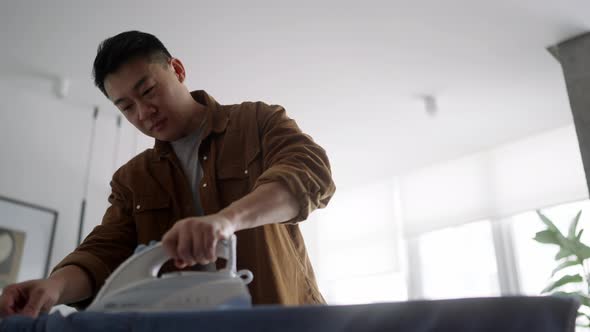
(430, 104)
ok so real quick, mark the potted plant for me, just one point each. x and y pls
(571, 276)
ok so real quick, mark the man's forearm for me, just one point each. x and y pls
(74, 284)
(268, 204)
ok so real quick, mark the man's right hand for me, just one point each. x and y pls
(30, 298)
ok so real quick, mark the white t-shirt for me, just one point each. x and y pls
(187, 151)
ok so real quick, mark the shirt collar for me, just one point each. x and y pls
(216, 119)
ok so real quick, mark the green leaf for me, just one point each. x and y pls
(579, 235)
(563, 253)
(568, 247)
(547, 222)
(547, 236)
(563, 281)
(581, 250)
(564, 265)
(571, 234)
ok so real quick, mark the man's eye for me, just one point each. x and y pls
(127, 108)
(148, 91)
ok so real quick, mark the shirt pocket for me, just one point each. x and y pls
(152, 217)
(236, 177)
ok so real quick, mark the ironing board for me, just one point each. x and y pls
(505, 314)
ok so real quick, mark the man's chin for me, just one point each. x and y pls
(158, 136)
(164, 137)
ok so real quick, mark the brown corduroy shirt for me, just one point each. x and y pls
(244, 146)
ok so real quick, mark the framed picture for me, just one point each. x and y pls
(27, 232)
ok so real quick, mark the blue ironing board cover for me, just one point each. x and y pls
(505, 314)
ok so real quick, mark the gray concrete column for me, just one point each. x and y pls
(574, 56)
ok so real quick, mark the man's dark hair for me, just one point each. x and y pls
(120, 49)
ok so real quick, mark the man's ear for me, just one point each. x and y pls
(178, 68)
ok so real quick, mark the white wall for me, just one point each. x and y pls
(44, 144)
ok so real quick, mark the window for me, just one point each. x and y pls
(380, 287)
(458, 262)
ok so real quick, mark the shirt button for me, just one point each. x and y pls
(205, 185)
(204, 157)
(138, 206)
(246, 172)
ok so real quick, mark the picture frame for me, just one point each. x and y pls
(27, 233)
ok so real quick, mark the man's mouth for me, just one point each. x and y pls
(158, 125)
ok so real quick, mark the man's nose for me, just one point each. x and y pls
(145, 111)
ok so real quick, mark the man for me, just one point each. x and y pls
(215, 170)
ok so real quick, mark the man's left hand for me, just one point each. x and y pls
(194, 240)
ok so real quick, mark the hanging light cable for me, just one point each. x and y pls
(87, 175)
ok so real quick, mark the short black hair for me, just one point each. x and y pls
(120, 49)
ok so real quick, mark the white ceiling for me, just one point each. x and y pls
(350, 72)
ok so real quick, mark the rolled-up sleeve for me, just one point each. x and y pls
(293, 159)
(108, 245)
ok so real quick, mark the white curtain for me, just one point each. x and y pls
(539, 171)
(355, 246)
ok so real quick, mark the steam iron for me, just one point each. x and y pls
(135, 285)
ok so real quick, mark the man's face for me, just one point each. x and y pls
(149, 94)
